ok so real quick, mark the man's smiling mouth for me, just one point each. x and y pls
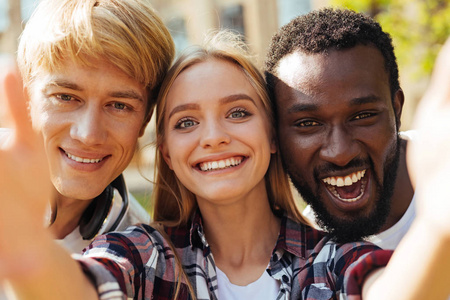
(83, 160)
(349, 188)
(220, 164)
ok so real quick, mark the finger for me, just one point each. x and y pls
(438, 92)
(6, 65)
(16, 106)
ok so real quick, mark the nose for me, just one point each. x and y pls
(339, 147)
(88, 127)
(214, 134)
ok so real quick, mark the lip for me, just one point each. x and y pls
(349, 206)
(83, 165)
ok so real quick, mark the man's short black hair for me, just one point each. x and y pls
(330, 29)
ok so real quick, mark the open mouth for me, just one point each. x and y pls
(83, 160)
(220, 164)
(349, 188)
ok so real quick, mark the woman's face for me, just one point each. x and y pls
(218, 138)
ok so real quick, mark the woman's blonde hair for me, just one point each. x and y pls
(126, 33)
(173, 203)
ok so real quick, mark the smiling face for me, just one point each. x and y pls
(90, 118)
(337, 129)
(217, 136)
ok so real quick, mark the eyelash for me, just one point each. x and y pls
(179, 124)
(243, 111)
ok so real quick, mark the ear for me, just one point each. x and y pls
(165, 154)
(144, 125)
(399, 100)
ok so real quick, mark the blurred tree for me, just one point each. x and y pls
(418, 28)
(9, 38)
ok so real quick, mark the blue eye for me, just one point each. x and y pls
(238, 113)
(185, 123)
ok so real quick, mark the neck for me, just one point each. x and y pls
(66, 214)
(403, 191)
(242, 237)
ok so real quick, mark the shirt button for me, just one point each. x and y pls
(285, 279)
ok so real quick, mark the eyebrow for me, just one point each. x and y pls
(314, 107)
(224, 100)
(124, 94)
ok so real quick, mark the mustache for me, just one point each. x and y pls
(330, 167)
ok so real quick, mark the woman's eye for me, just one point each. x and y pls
(238, 113)
(185, 123)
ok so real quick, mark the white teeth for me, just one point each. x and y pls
(221, 164)
(340, 181)
(348, 180)
(83, 160)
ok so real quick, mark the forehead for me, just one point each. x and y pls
(97, 77)
(337, 74)
(209, 80)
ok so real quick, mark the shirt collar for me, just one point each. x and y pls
(197, 235)
(296, 238)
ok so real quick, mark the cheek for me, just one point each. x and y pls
(125, 136)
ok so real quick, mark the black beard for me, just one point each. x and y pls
(343, 231)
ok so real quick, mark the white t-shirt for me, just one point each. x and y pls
(265, 287)
(390, 238)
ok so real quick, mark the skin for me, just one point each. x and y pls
(336, 118)
(94, 113)
(214, 114)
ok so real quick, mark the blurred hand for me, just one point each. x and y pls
(25, 186)
(429, 155)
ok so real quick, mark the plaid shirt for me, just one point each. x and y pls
(139, 264)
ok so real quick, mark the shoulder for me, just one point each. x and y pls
(129, 260)
(339, 257)
(139, 235)
(323, 275)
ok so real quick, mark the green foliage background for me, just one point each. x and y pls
(418, 28)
